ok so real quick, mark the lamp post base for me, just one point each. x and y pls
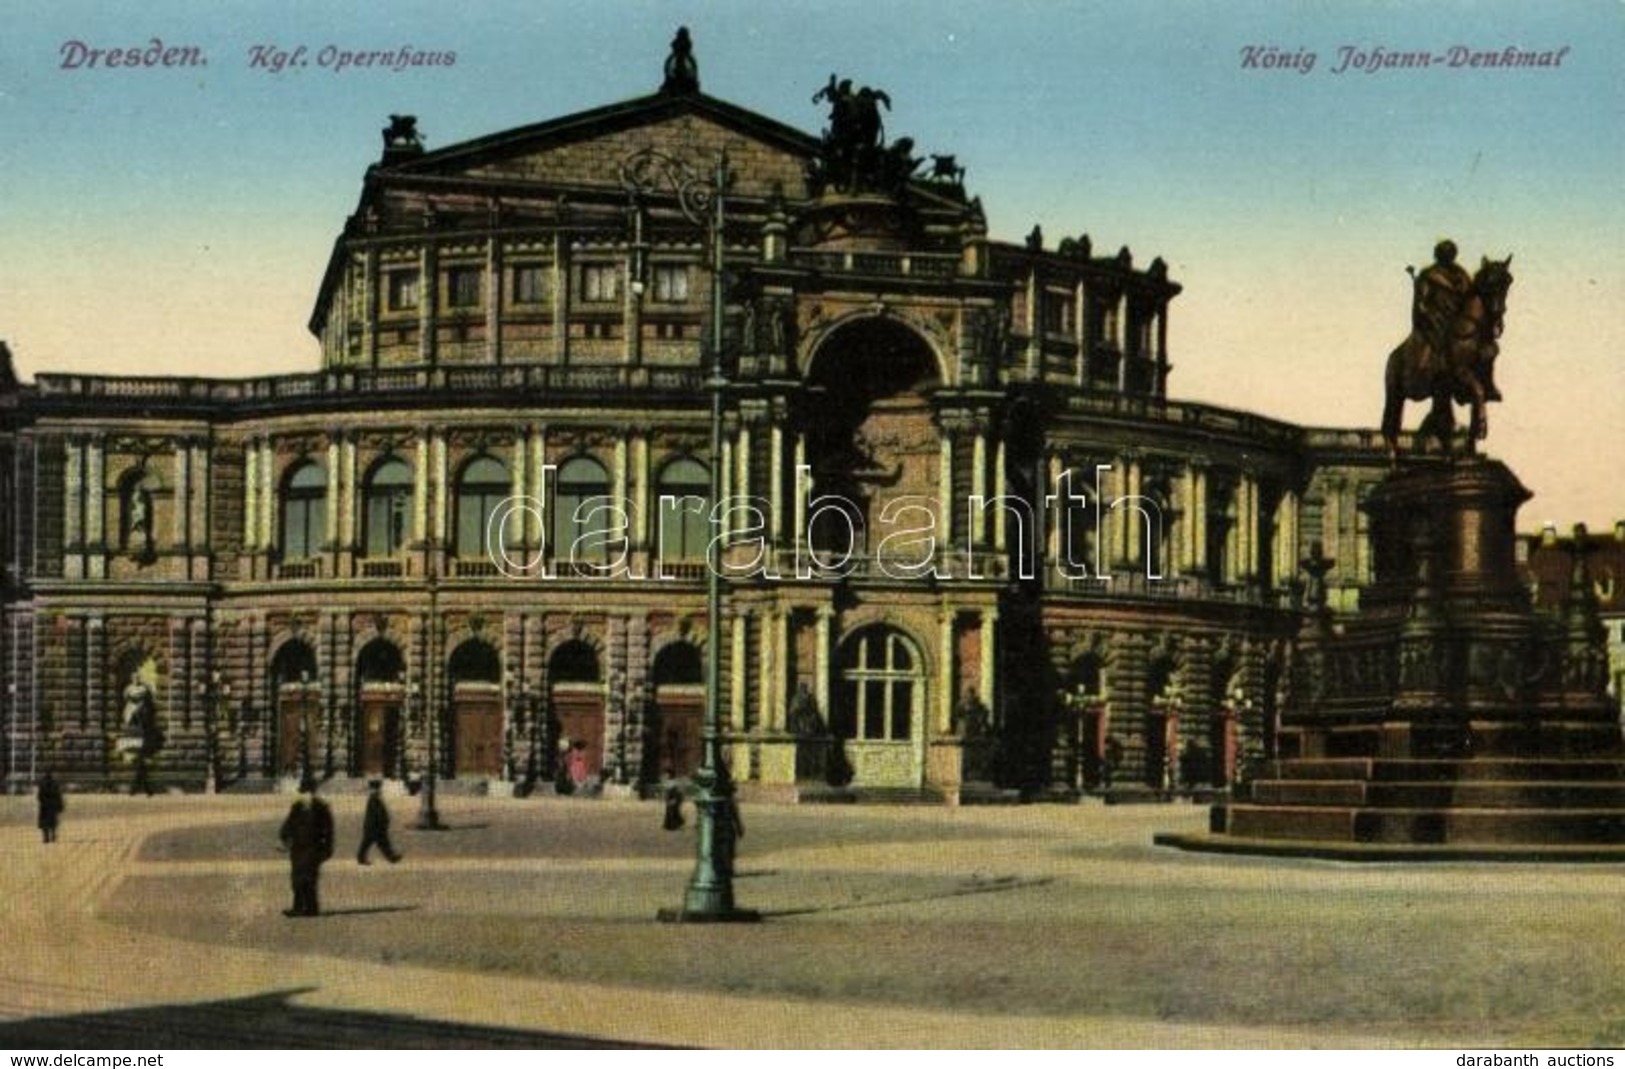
(428, 812)
(688, 915)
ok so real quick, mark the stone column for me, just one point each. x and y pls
(347, 493)
(493, 305)
(800, 493)
(96, 494)
(330, 526)
(619, 476)
(74, 492)
(1053, 516)
(998, 494)
(725, 484)
(989, 632)
(441, 487)
(1133, 523)
(643, 496)
(537, 489)
(825, 668)
(775, 509)
(205, 536)
(736, 672)
(269, 507)
(978, 487)
(743, 460)
(515, 522)
(428, 297)
(420, 488)
(251, 495)
(369, 306)
(945, 483)
(945, 672)
(183, 493)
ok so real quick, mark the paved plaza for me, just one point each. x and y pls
(531, 923)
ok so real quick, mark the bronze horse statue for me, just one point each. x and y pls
(1453, 368)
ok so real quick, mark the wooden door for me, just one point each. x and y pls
(477, 735)
(579, 717)
(380, 735)
(294, 707)
(678, 731)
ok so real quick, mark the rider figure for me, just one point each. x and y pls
(1441, 290)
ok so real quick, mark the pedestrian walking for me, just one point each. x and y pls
(307, 835)
(51, 806)
(375, 827)
(674, 805)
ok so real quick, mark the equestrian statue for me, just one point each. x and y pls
(1449, 357)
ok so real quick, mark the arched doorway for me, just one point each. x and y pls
(476, 726)
(674, 741)
(576, 699)
(297, 695)
(878, 712)
(380, 698)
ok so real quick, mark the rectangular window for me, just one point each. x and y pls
(403, 290)
(600, 282)
(530, 284)
(671, 283)
(1057, 313)
(463, 287)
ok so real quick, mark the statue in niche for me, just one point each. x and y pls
(804, 720)
(971, 716)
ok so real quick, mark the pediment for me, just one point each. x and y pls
(588, 149)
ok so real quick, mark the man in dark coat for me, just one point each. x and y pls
(51, 806)
(307, 835)
(375, 827)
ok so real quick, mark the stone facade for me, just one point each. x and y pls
(979, 536)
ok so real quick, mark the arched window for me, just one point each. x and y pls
(388, 503)
(881, 687)
(304, 511)
(683, 502)
(582, 524)
(484, 485)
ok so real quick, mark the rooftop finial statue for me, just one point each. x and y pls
(682, 71)
(1449, 357)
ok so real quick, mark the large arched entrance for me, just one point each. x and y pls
(674, 741)
(476, 726)
(871, 439)
(297, 694)
(878, 713)
(576, 699)
(380, 696)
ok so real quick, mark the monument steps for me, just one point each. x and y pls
(1439, 824)
(1475, 793)
(1450, 770)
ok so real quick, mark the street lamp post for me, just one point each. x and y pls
(306, 779)
(709, 896)
(215, 692)
(428, 813)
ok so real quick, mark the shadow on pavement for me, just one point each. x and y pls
(973, 887)
(270, 1021)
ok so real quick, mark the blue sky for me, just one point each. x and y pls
(177, 221)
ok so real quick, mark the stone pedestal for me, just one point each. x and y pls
(1446, 714)
(953, 765)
